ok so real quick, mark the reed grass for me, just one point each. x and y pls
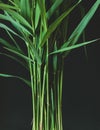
(43, 29)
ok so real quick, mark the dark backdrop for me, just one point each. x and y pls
(81, 98)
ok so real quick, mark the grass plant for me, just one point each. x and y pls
(42, 27)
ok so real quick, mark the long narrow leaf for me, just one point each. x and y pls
(18, 77)
(14, 58)
(79, 29)
(55, 58)
(19, 54)
(56, 23)
(5, 43)
(37, 15)
(43, 13)
(74, 46)
(15, 23)
(16, 2)
(7, 7)
(19, 18)
(53, 8)
(25, 9)
(35, 53)
(82, 9)
(13, 3)
(10, 46)
(3, 26)
(14, 41)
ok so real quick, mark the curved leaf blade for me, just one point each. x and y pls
(17, 25)
(82, 25)
(10, 30)
(19, 54)
(16, 59)
(42, 7)
(53, 8)
(25, 9)
(19, 18)
(74, 46)
(18, 77)
(37, 15)
(7, 7)
(56, 23)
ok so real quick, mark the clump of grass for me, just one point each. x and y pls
(43, 29)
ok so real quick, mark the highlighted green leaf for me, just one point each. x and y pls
(25, 9)
(19, 18)
(18, 77)
(5, 43)
(84, 22)
(53, 8)
(35, 53)
(19, 54)
(17, 25)
(7, 7)
(16, 59)
(74, 46)
(56, 23)
(9, 29)
(55, 58)
(43, 13)
(37, 15)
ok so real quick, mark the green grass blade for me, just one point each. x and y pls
(13, 3)
(7, 7)
(19, 54)
(35, 53)
(74, 46)
(17, 2)
(17, 25)
(43, 13)
(56, 23)
(42, 97)
(14, 41)
(16, 59)
(55, 59)
(10, 30)
(52, 111)
(37, 15)
(4, 17)
(80, 28)
(82, 10)
(5, 43)
(25, 9)
(14, 50)
(53, 8)
(18, 77)
(19, 18)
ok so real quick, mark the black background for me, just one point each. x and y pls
(81, 95)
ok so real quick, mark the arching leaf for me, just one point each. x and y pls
(18, 77)
(56, 23)
(74, 46)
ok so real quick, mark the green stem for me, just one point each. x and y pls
(42, 99)
(32, 87)
(59, 87)
(47, 84)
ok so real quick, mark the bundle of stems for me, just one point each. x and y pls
(42, 27)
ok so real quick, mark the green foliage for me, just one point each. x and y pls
(74, 46)
(43, 30)
(56, 23)
(12, 76)
(82, 25)
(52, 9)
